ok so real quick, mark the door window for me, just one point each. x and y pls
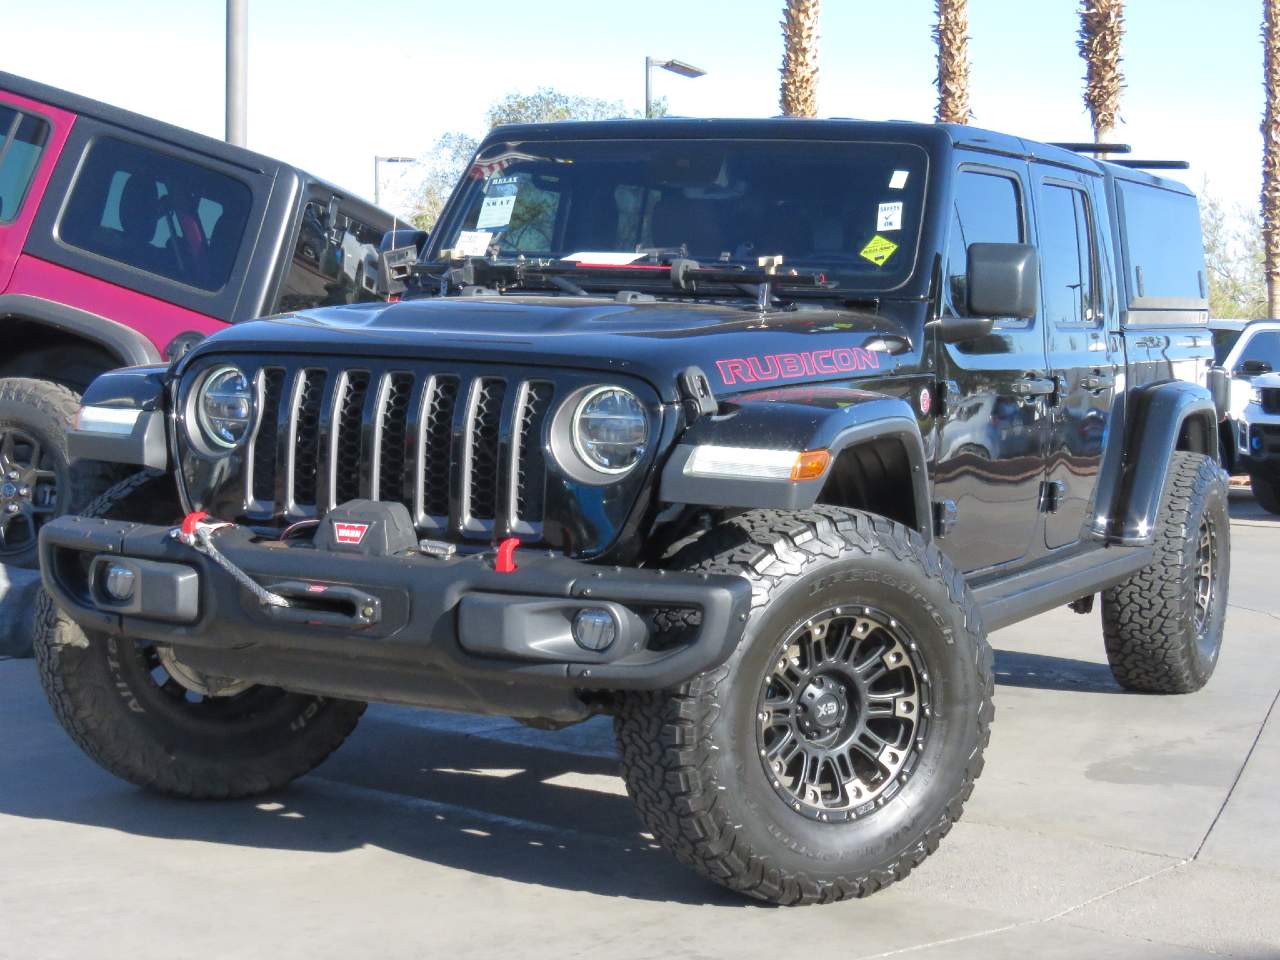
(1066, 256)
(157, 213)
(987, 209)
(22, 137)
(335, 260)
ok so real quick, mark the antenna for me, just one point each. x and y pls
(1094, 147)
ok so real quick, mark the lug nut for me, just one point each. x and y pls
(11, 507)
(24, 491)
(13, 474)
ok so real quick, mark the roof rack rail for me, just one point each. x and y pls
(1081, 147)
(1154, 164)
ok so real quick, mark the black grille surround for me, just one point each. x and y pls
(462, 446)
(1270, 399)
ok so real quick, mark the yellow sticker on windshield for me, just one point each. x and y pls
(878, 250)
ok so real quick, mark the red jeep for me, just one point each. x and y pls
(123, 241)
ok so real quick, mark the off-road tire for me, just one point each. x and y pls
(1266, 490)
(44, 410)
(1149, 621)
(102, 692)
(690, 757)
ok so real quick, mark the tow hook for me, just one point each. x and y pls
(196, 532)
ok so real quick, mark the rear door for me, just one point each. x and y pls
(990, 455)
(1085, 356)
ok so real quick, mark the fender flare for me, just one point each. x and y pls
(124, 343)
(1144, 434)
(796, 418)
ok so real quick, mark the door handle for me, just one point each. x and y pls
(1098, 380)
(1034, 387)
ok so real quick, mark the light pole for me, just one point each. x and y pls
(678, 67)
(377, 179)
(237, 70)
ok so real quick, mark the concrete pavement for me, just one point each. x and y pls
(1106, 825)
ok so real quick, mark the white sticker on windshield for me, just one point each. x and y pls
(889, 217)
(472, 243)
(899, 179)
(499, 200)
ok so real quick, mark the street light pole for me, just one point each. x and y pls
(237, 71)
(377, 174)
(678, 67)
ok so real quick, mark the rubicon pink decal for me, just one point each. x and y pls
(349, 532)
(788, 366)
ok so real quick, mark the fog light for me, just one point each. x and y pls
(118, 581)
(594, 629)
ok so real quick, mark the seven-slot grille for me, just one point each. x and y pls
(463, 451)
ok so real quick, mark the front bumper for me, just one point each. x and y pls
(450, 633)
(1258, 445)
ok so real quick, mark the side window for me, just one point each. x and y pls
(335, 261)
(22, 138)
(1066, 255)
(988, 209)
(157, 213)
(1161, 233)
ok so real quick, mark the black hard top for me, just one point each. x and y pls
(929, 135)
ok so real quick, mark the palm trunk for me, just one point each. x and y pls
(1271, 154)
(951, 34)
(800, 58)
(1101, 30)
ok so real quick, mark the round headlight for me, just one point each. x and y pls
(610, 429)
(225, 407)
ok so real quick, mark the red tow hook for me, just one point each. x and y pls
(506, 560)
(191, 521)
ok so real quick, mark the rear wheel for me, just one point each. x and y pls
(1163, 626)
(1266, 490)
(37, 479)
(144, 715)
(836, 747)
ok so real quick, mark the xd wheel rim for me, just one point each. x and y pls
(843, 714)
(1206, 550)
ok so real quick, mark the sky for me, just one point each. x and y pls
(332, 83)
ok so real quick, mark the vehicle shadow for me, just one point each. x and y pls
(1040, 671)
(487, 806)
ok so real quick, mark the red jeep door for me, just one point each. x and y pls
(31, 137)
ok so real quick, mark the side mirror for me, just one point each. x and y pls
(403, 237)
(1253, 368)
(1003, 280)
(1218, 382)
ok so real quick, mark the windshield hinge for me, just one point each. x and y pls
(695, 389)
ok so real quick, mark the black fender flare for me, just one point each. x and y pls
(124, 343)
(800, 419)
(1153, 422)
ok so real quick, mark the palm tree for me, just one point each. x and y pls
(1271, 153)
(800, 58)
(951, 33)
(1101, 28)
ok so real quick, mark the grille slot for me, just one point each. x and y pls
(1271, 400)
(348, 436)
(462, 450)
(265, 447)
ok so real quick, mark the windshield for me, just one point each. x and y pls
(849, 210)
(1262, 347)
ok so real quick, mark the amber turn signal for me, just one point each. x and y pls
(811, 464)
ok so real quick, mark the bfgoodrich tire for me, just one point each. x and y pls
(1163, 626)
(837, 746)
(37, 479)
(122, 702)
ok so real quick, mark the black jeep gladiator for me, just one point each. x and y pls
(744, 432)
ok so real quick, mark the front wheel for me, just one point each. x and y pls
(144, 715)
(1266, 490)
(837, 746)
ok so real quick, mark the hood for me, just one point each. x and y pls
(1268, 381)
(738, 347)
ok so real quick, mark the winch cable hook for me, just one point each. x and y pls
(197, 533)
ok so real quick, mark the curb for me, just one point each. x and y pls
(18, 589)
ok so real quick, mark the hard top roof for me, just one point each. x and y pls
(836, 128)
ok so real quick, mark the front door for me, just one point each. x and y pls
(989, 461)
(25, 161)
(1084, 355)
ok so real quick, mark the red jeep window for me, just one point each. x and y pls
(22, 137)
(157, 213)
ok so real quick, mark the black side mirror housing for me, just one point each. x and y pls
(1253, 368)
(1003, 280)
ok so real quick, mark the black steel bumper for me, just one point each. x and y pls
(451, 633)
